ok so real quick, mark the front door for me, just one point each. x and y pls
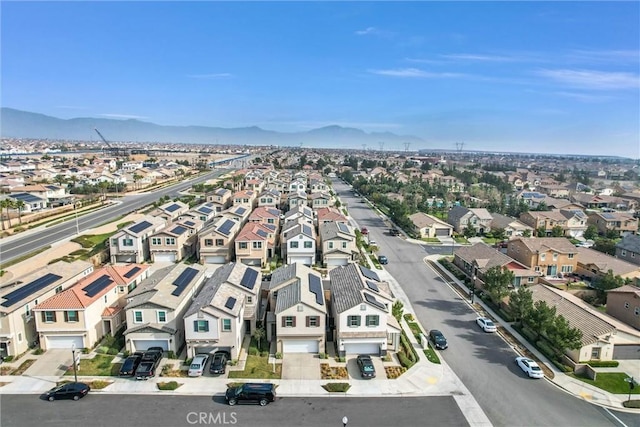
(4, 350)
(552, 270)
(247, 327)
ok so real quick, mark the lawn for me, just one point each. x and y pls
(258, 367)
(100, 365)
(613, 382)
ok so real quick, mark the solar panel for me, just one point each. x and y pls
(26, 197)
(343, 227)
(262, 233)
(306, 230)
(225, 228)
(240, 210)
(190, 223)
(369, 274)
(608, 216)
(137, 228)
(178, 230)
(29, 289)
(129, 274)
(95, 287)
(183, 281)
(315, 286)
(172, 208)
(372, 300)
(371, 285)
(249, 278)
(205, 210)
(231, 301)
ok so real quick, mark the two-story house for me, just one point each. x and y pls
(175, 242)
(255, 184)
(623, 303)
(246, 198)
(255, 243)
(297, 186)
(329, 214)
(337, 244)
(320, 199)
(548, 256)
(266, 215)
(84, 313)
(628, 249)
(270, 198)
(221, 199)
(620, 223)
(318, 186)
(20, 295)
(131, 244)
(204, 212)
(428, 226)
(215, 242)
(239, 213)
(155, 309)
(298, 243)
(595, 265)
(298, 214)
(297, 199)
(511, 227)
(478, 218)
(171, 211)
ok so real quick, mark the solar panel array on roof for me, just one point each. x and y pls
(172, 208)
(178, 230)
(190, 223)
(220, 191)
(249, 278)
(373, 286)
(95, 287)
(183, 281)
(372, 300)
(608, 216)
(231, 301)
(26, 197)
(343, 227)
(315, 286)
(129, 274)
(205, 210)
(262, 233)
(226, 227)
(137, 228)
(369, 274)
(306, 230)
(29, 289)
(240, 210)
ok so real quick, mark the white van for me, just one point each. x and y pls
(197, 365)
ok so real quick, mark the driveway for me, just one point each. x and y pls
(51, 363)
(300, 366)
(354, 371)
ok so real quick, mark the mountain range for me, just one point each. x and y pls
(25, 124)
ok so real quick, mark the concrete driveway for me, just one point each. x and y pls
(300, 366)
(51, 363)
(354, 371)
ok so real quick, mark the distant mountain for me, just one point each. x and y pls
(24, 124)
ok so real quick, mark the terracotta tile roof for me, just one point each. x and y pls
(559, 244)
(250, 232)
(110, 311)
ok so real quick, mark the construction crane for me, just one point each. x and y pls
(111, 150)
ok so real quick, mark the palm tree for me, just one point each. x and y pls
(136, 178)
(19, 204)
(3, 204)
(8, 204)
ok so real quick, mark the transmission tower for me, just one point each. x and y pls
(459, 147)
(381, 145)
(406, 147)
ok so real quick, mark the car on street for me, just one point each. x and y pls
(529, 367)
(364, 231)
(438, 339)
(218, 363)
(365, 364)
(128, 368)
(372, 242)
(198, 363)
(260, 393)
(487, 325)
(394, 232)
(73, 390)
(382, 259)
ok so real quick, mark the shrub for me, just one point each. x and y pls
(85, 350)
(234, 362)
(99, 384)
(253, 351)
(8, 358)
(171, 354)
(111, 350)
(337, 387)
(264, 354)
(37, 351)
(278, 355)
(188, 361)
(405, 361)
(408, 317)
(126, 353)
(103, 349)
(386, 358)
(323, 356)
(171, 385)
(602, 363)
(631, 403)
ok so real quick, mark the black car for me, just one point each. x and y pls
(73, 391)
(394, 232)
(154, 354)
(146, 369)
(383, 259)
(218, 363)
(438, 339)
(365, 364)
(128, 368)
(261, 393)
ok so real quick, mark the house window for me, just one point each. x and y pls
(289, 322)
(313, 321)
(170, 241)
(208, 242)
(257, 245)
(71, 316)
(543, 257)
(203, 325)
(137, 317)
(58, 289)
(114, 242)
(48, 316)
(344, 245)
(571, 256)
(555, 256)
(219, 242)
(27, 312)
(270, 221)
(636, 311)
(156, 241)
(127, 242)
(121, 289)
(308, 245)
(19, 336)
(330, 245)
(623, 252)
(249, 300)
(536, 269)
(162, 316)
(300, 307)
(373, 320)
(293, 245)
(353, 321)
(530, 279)
(567, 268)
(242, 245)
(626, 304)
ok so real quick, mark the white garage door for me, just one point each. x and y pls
(141, 345)
(164, 257)
(252, 261)
(442, 232)
(300, 346)
(65, 342)
(126, 258)
(300, 260)
(337, 261)
(362, 348)
(214, 260)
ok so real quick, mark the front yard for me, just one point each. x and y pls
(100, 365)
(258, 367)
(613, 382)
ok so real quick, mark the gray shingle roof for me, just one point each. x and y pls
(288, 296)
(283, 274)
(630, 242)
(346, 286)
(209, 289)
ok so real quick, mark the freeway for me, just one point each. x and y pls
(483, 362)
(34, 240)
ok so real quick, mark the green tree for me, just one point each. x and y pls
(541, 232)
(396, 309)
(562, 336)
(19, 205)
(557, 231)
(606, 246)
(591, 233)
(540, 318)
(469, 231)
(258, 335)
(521, 303)
(526, 233)
(496, 281)
(498, 233)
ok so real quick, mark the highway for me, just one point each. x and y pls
(483, 362)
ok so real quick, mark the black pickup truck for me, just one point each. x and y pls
(149, 363)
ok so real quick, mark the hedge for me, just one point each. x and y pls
(602, 363)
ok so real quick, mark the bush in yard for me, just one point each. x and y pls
(602, 363)
(171, 385)
(171, 354)
(323, 356)
(112, 351)
(126, 353)
(264, 354)
(8, 359)
(103, 349)
(37, 351)
(404, 360)
(337, 387)
(253, 351)
(278, 355)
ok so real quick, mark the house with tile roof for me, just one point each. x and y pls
(246, 198)
(155, 309)
(337, 244)
(320, 199)
(297, 199)
(304, 213)
(131, 243)
(84, 313)
(224, 311)
(547, 256)
(221, 198)
(429, 226)
(361, 308)
(298, 242)
(512, 227)
(19, 296)
(170, 211)
(623, 303)
(620, 223)
(595, 264)
(329, 214)
(238, 213)
(270, 198)
(628, 249)
(215, 241)
(175, 242)
(461, 217)
(266, 215)
(255, 244)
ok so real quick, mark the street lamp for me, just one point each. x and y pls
(73, 352)
(345, 420)
(473, 288)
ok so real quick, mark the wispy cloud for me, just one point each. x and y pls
(211, 76)
(367, 31)
(122, 116)
(415, 73)
(607, 56)
(591, 79)
(426, 61)
(480, 57)
(583, 97)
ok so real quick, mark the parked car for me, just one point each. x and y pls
(372, 242)
(218, 363)
(365, 364)
(261, 393)
(73, 391)
(146, 369)
(530, 367)
(197, 365)
(394, 232)
(486, 324)
(383, 259)
(128, 368)
(438, 339)
(154, 354)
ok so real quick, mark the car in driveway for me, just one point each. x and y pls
(529, 367)
(128, 368)
(437, 339)
(198, 363)
(365, 364)
(486, 324)
(218, 363)
(260, 393)
(382, 259)
(73, 390)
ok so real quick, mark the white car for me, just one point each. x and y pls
(486, 324)
(530, 367)
(197, 365)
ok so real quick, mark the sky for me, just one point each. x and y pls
(545, 77)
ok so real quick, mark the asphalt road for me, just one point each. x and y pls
(31, 241)
(176, 411)
(483, 362)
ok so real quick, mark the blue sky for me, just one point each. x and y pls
(555, 77)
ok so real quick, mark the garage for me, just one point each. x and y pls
(300, 346)
(66, 342)
(126, 258)
(336, 262)
(300, 260)
(210, 350)
(362, 348)
(626, 352)
(141, 345)
(252, 261)
(165, 257)
(442, 232)
(215, 260)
